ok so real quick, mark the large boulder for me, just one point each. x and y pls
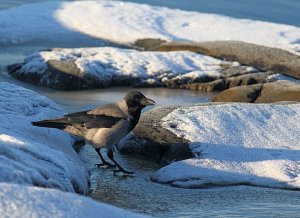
(261, 93)
(103, 67)
(221, 144)
(55, 74)
(258, 56)
(279, 91)
(235, 144)
(239, 94)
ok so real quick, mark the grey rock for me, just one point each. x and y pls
(279, 91)
(230, 82)
(151, 140)
(217, 85)
(58, 75)
(239, 94)
(262, 93)
(63, 75)
(247, 79)
(260, 57)
(231, 71)
(148, 43)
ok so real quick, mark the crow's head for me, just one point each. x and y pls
(135, 100)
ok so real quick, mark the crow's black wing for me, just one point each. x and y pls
(112, 110)
(102, 121)
(80, 118)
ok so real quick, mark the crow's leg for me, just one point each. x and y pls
(78, 144)
(110, 154)
(104, 162)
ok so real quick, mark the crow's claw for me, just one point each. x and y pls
(109, 165)
(122, 171)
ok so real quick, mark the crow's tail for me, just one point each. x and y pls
(50, 124)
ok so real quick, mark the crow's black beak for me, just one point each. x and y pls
(147, 101)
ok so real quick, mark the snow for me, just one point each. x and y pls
(252, 144)
(105, 63)
(36, 156)
(35, 22)
(124, 23)
(38, 166)
(21, 201)
(277, 77)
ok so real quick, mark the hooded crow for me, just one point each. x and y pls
(104, 126)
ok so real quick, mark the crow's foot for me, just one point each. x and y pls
(105, 164)
(122, 171)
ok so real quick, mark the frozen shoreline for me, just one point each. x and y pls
(38, 166)
(36, 156)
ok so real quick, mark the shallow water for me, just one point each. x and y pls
(138, 193)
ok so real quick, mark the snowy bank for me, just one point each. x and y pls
(252, 144)
(125, 23)
(20, 201)
(36, 156)
(32, 156)
(106, 66)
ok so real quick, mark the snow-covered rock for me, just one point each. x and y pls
(125, 23)
(36, 156)
(251, 144)
(38, 166)
(21, 201)
(280, 77)
(260, 57)
(106, 66)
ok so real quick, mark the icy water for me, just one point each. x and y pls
(138, 193)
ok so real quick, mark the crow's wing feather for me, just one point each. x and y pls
(101, 117)
(112, 110)
(91, 120)
(102, 121)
